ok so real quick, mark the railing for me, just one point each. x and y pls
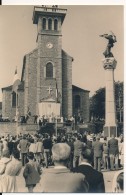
(50, 9)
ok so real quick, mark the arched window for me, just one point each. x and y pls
(55, 24)
(13, 99)
(77, 101)
(49, 70)
(50, 24)
(44, 24)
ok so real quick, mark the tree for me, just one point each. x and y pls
(97, 102)
(119, 100)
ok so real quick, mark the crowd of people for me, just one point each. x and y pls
(51, 160)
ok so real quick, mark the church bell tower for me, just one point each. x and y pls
(49, 21)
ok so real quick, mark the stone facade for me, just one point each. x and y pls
(36, 80)
(81, 103)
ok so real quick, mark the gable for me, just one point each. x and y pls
(33, 54)
(78, 89)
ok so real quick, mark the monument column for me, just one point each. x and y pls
(110, 127)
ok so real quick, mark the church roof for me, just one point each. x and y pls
(21, 86)
(75, 88)
(64, 53)
(9, 88)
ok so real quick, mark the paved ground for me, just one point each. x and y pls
(108, 177)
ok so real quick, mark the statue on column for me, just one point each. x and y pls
(111, 40)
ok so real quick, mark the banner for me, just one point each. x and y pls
(49, 109)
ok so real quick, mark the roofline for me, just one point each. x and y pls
(80, 88)
(7, 88)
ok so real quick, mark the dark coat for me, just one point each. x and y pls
(97, 148)
(47, 143)
(113, 146)
(31, 173)
(94, 178)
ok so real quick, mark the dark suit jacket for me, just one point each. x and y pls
(113, 146)
(97, 148)
(94, 178)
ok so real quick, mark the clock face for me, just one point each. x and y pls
(49, 45)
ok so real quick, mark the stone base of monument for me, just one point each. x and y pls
(110, 130)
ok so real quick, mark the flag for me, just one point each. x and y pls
(16, 81)
(15, 76)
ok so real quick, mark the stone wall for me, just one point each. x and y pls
(66, 84)
(13, 128)
(7, 110)
(31, 82)
(84, 104)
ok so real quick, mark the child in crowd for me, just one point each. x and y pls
(31, 172)
(106, 156)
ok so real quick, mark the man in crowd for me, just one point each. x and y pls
(78, 146)
(97, 147)
(47, 144)
(113, 152)
(94, 178)
(24, 145)
(60, 179)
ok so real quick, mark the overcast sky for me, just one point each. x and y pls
(81, 29)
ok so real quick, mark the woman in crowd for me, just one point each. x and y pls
(8, 179)
(32, 147)
(4, 160)
(39, 151)
(121, 152)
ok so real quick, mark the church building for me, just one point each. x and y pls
(46, 72)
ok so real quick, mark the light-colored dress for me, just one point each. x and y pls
(32, 148)
(121, 153)
(8, 179)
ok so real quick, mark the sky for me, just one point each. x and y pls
(81, 29)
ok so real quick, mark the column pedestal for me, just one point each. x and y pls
(110, 127)
(110, 130)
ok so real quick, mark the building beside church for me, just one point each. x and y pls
(46, 72)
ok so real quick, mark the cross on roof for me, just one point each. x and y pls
(49, 89)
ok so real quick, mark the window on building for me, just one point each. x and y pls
(44, 24)
(55, 24)
(14, 99)
(49, 70)
(50, 24)
(77, 101)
